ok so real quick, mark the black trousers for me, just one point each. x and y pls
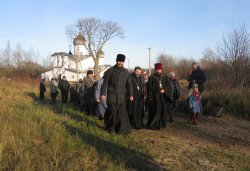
(41, 95)
(53, 96)
(90, 104)
(64, 95)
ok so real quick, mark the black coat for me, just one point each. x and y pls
(140, 82)
(197, 76)
(158, 107)
(63, 85)
(42, 87)
(153, 86)
(136, 107)
(116, 85)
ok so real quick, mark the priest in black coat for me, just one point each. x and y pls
(116, 86)
(160, 98)
(136, 107)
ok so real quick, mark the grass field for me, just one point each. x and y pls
(37, 135)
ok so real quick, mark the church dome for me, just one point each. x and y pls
(79, 39)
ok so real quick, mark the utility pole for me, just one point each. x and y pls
(149, 61)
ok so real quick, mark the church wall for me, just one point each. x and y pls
(70, 76)
(47, 75)
(72, 64)
(87, 63)
(82, 50)
(101, 61)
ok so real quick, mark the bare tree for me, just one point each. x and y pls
(47, 62)
(7, 57)
(31, 55)
(168, 62)
(235, 50)
(183, 66)
(19, 62)
(96, 33)
(18, 56)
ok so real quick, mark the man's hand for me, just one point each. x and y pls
(131, 98)
(97, 100)
(190, 106)
(103, 98)
(162, 91)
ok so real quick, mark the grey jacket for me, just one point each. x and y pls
(98, 89)
(53, 86)
(87, 87)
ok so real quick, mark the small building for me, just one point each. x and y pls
(74, 66)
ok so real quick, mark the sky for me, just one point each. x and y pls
(182, 28)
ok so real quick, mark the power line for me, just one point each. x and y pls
(126, 51)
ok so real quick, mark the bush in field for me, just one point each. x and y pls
(234, 103)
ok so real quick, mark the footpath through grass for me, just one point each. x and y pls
(37, 135)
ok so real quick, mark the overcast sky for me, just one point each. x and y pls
(177, 27)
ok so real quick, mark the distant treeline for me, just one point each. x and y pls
(18, 62)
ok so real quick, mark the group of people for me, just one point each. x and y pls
(121, 98)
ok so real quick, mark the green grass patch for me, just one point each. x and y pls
(37, 135)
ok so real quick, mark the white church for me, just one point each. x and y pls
(74, 66)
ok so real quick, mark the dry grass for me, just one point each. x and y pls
(213, 144)
(37, 135)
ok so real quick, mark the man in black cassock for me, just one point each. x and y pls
(136, 107)
(116, 86)
(160, 97)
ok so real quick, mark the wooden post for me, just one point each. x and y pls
(149, 61)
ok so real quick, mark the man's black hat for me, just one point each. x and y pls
(90, 72)
(120, 57)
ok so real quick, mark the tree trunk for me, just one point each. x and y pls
(96, 67)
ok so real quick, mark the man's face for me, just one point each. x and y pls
(194, 66)
(90, 76)
(158, 71)
(119, 64)
(96, 78)
(64, 78)
(137, 73)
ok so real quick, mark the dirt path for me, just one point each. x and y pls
(215, 143)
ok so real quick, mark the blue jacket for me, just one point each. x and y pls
(196, 105)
